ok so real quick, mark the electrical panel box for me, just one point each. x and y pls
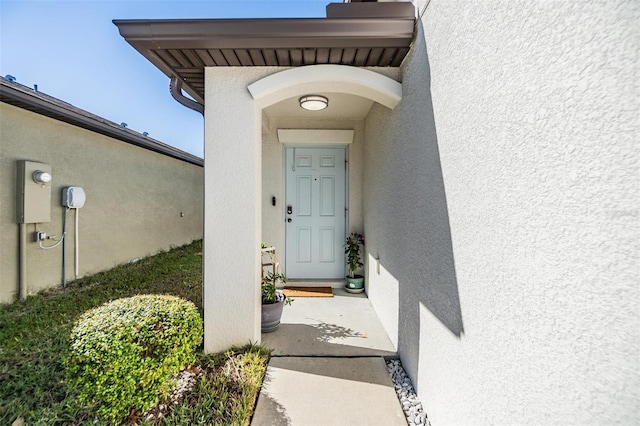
(73, 197)
(33, 192)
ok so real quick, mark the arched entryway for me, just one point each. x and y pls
(326, 78)
(235, 101)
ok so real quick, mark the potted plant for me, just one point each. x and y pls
(355, 282)
(273, 300)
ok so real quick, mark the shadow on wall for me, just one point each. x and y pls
(407, 221)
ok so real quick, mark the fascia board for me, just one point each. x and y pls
(267, 33)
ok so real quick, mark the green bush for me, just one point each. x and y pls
(124, 354)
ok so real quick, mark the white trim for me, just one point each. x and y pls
(302, 81)
(315, 136)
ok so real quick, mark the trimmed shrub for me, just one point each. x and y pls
(125, 354)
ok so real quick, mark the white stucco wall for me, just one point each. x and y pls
(501, 197)
(232, 216)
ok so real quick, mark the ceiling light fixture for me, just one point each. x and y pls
(313, 102)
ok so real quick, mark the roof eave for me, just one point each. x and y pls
(354, 34)
(35, 102)
(266, 33)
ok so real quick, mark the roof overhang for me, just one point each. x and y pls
(355, 34)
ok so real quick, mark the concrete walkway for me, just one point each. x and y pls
(327, 367)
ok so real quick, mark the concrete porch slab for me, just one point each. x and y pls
(343, 325)
(327, 366)
(328, 391)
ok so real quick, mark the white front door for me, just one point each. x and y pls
(315, 212)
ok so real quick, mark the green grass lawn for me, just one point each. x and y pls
(34, 336)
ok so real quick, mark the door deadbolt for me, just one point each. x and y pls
(289, 209)
(289, 220)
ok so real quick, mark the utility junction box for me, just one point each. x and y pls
(33, 192)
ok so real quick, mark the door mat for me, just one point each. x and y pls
(308, 291)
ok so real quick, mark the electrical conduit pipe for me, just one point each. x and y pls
(77, 246)
(23, 261)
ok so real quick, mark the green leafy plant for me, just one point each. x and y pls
(352, 250)
(270, 280)
(270, 295)
(125, 353)
(34, 337)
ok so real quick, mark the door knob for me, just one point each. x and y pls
(289, 209)
(289, 220)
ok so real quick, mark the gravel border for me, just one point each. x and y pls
(411, 405)
(186, 380)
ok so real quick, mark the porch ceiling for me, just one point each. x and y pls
(341, 106)
(356, 34)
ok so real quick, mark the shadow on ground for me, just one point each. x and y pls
(323, 339)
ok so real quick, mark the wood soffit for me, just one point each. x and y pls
(355, 34)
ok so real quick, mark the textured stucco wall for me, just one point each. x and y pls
(501, 197)
(273, 230)
(134, 199)
(233, 207)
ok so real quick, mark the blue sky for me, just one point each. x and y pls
(73, 52)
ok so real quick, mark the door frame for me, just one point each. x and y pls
(346, 189)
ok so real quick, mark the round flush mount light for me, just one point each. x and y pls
(313, 102)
